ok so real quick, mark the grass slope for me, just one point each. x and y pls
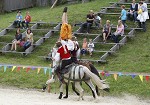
(133, 57)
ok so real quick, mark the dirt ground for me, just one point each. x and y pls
(15, 96)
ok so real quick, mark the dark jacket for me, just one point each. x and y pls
(136, 7)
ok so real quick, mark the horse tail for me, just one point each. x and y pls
(95, 78)
(94, 70)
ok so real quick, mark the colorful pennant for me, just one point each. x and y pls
(141, 77)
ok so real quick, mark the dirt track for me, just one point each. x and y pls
(28, 97)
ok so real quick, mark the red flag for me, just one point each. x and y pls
(27, 69)
(102, 73)
(147, 78)
(18, 68)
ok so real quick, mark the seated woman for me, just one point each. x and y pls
(28, 39)
(17, 40)
(90, 47)
(106, 30)
(84, 47)
(27, 20)
(119, 31)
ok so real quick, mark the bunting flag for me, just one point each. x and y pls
(141, 77)
(102, 73)
(5, 67)
(115, 76)
(50, 71)
(33, 68)
(107, 74)
(38, 70)
(28, 68)
(13, 68)
(147, 78)
(45, 70)
(120, 74)
(133, 76)
(18, 68)
(10, 66)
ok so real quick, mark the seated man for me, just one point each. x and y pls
(63, 57)
(27, 20)
(89, 21)
(133, 11)
(18, 19)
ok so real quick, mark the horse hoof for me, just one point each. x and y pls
(60, 96)
(44, 88)
(107, 89)
(65, 97)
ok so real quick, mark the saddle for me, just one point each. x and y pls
(66, 69)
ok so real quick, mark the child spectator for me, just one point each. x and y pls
(27, 20)
(28, 39)
(84, 47)
(17, 40)
(119, 31)
(90, 47)
(18, 19)
(98, 21)
(106, 30)
(123, 16)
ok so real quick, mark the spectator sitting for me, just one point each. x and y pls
(142, 15)
(89, 21)
(133, 11)
(106, 30)
(90, 47)
(98, 21)
(123, 16)
(18, 19)
(17, 40)
(119, 31)
(27, 20)
(84, 47)
(28, 39)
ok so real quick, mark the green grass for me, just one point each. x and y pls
(133, 57)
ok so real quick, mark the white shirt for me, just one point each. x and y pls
(98, 18)
(69, 44)
(91, 46)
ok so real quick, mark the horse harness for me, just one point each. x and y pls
(77, 80)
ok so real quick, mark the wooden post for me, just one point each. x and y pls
(54, 4)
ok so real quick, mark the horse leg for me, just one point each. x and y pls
(78, 86)
(61, 91)
(92, 87)
(73, 88)
(66, 91)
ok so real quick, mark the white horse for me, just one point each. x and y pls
(77, 73)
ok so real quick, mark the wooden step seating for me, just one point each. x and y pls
(102, 50)
(115, 8)
(39, 34)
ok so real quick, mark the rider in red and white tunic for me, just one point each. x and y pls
(63, 57)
